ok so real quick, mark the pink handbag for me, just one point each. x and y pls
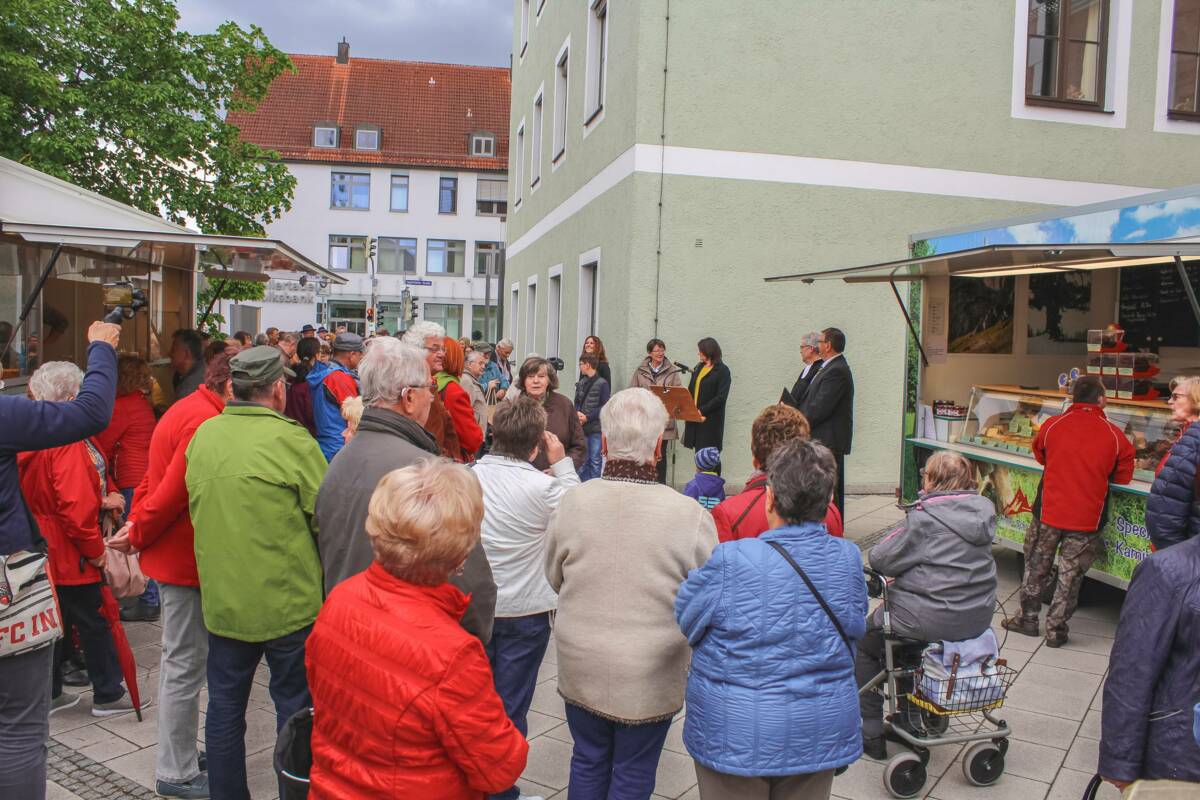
(122, 572)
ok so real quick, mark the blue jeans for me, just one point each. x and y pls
(613, 760)
(515, 651)
(594, 464)
(231, 666)
(150, 596)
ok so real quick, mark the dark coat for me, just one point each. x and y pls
(796, 396)
(386, 441)
(1154, 672)
(829, 405)
(590, 396)
(714, 391)
(1173, 510)
(562, 422)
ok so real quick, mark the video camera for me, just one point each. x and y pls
(122, 301)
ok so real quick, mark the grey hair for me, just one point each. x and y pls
(261, 339)
(802, 475)
(632, 422)
(388, 368)
(505, 343)
(810, 339)
(420, 332)
(55, 381)
(475, 355)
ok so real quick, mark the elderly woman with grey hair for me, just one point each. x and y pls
(616, 553)
(472, 380)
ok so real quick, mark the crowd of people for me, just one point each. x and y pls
(402, 526)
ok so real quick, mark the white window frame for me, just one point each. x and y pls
(367, 129)
(514, 317)
(350, 194)
(562, 92)
(336, 136)
(531, 294)
(537, 14)
(596, 66)
(524, 26)
(519, 166)
(483, 138)
(1162, 92)
(591, 257)
(535, 139)
(407, 191)
(554, 313)
(1116, 79)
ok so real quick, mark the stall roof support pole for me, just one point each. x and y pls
(911, 328)
(33, 296)
(1187, 287)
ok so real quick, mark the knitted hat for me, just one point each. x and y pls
(708, 459)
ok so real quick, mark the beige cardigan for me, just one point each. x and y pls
(616, 553)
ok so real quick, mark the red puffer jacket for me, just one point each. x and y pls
(162, 527)
(403, 701)
(62, 489)
(744, 515)
(126, 441)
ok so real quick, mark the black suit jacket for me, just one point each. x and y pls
(796, 397)
(829, 405)
(714, 391)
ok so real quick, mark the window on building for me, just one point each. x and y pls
(445, 257)
(483, 145)
(524, 27)
(531, 318)
(597, 59)
(535, 151)
(447, 315)
(397, 255)
(560, 104)
(588, 296)
(491, 197)
(325, 136)
(448, 196)
(519, 162)
(1185, 61)
(553, 311)
(349, 190)
(348, 253)
(514, 307)
(366, 138)
(540, 3)
(1066, 58)
(399, 193)
(351, 313)
(483, 323)
(489, 257)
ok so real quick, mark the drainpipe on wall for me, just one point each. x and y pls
(662, 153)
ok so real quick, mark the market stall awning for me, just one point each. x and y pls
(1008, 259)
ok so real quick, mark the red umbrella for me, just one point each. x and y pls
(111, 611)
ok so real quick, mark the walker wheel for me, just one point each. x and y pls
(983, 764)
(904, 775)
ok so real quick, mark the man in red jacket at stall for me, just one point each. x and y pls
(744, 515)
(1082, 453)
(161, 528)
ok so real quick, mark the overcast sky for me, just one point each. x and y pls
(450, 31)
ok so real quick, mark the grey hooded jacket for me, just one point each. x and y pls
(941, 559)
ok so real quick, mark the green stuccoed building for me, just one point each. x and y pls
(666, 157)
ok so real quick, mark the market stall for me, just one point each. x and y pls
(999, 330)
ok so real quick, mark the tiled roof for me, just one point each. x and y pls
(427, 112)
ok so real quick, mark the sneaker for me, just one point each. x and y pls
(197, 787)
(76, 677)
(1019, 624)
(141, 612)
(122, 705)
(64, 700)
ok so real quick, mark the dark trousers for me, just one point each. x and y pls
(81, 608)
(515, 652)
(613, 760)
(839, 495)
(24, 723)
(231, 666)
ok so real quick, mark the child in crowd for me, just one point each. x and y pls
(707, 487)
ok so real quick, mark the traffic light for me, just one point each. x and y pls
(372, 243)
(370, 314)
(416, 309)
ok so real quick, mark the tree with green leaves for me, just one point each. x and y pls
(214, 289)
(109, 95)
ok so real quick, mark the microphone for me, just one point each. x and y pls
(682, 367)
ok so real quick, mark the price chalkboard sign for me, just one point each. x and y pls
(1154, 309)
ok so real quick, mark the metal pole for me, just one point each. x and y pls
(487, 296)
(33, 296)
(1187, 288)
(912, 328)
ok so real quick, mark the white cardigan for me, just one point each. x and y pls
(518, 501)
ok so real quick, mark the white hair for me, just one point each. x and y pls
(505, 343)
(632, 421)
(388, 368)
(810, 339)
(475, 355)
(55, 381)
(422, 331)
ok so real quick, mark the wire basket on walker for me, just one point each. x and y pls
(930, 704)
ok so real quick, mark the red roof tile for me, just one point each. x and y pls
(427, 112)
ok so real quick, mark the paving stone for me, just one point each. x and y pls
(1075, 660)
(1070, 783)
(1034, 761)
(1090, 729)
(1084, 755)
(1049, 690)
(549, 762)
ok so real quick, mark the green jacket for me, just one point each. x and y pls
(252, 479)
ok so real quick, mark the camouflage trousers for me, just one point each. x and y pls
(1076, 553)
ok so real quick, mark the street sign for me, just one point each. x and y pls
(417, 282)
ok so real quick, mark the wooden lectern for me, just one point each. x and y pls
(678, 401)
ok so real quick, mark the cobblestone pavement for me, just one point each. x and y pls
(1053, 709)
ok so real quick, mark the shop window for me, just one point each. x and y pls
(397, 255)
(483, 323)
(349, 190)
(447, 315)
(444, 257)
(448, 196)
(348, 253)
(1185, 61)
(1066, 59)
(325, 136)
(399, 200)
(491, 197)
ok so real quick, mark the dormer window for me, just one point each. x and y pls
(483, 144)
(366, 138)
(325, 136)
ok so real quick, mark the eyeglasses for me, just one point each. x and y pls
(429, 387)
(437, 348)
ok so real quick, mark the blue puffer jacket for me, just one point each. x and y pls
(326, 414)
(771, 690)
(1173, 510)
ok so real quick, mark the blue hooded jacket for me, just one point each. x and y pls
(325, 413)
(1173, 510)
(771, 690)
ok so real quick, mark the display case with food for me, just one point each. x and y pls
(1007, 418)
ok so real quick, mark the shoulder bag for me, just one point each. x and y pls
(825, 606)
(29, 616)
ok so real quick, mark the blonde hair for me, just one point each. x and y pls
(352, 411)
(423, 520)
(946, 471)
(1190, 386)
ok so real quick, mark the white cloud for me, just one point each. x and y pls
(1137, 234)
(1030, 233)
(1187, 233)
(1170, 208)
(1097, 227)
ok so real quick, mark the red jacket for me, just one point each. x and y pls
(734, 521)
(162, 528)
(403, 701)
(1082, 453)
(458, 405)
(126, 441)
(62, 489)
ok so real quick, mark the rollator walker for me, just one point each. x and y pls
(925, 710)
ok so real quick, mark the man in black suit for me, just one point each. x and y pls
(812, 364)
(829, 404)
